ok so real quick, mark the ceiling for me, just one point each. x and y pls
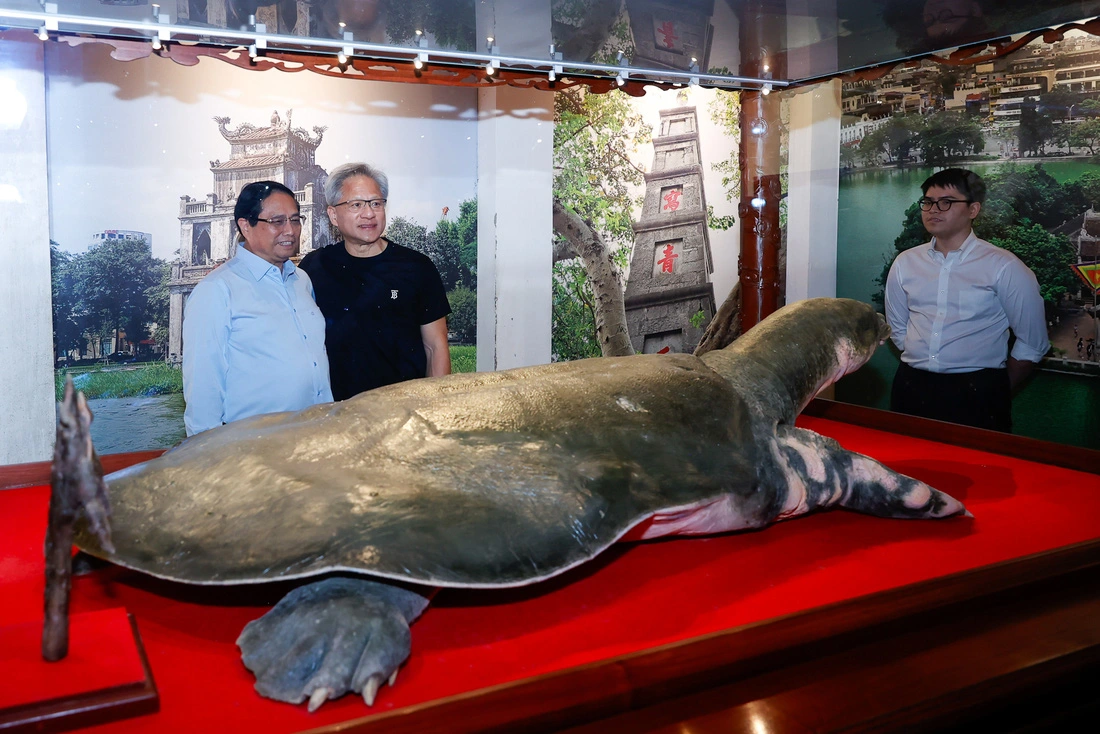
(727, 43)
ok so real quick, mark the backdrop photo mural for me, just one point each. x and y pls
(145, 161)
(649, 187)
(1029, 124)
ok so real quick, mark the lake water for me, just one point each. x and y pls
(872, 204)
(137, 424)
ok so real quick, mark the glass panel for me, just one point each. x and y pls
(717, 41)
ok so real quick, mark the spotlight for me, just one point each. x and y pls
(420, 60)
(341, 58)
(342, 25)
(619, 81)
(766, 67)
(253, 52)
(42, 34)
(551, 76)
(766, 89)
(156, 43)
(419, 33)
(490, 69)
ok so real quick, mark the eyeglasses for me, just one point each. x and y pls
(280, 222)
(356, 205)
(941, 204)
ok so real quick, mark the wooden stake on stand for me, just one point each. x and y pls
(77, 488)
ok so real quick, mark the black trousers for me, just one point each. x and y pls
(982, 399)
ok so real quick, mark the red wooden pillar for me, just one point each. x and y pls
(758, 264)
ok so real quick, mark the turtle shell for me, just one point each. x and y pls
(483, 480)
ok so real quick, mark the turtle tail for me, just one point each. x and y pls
(783, 362)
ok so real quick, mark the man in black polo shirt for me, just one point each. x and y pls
(385, 307)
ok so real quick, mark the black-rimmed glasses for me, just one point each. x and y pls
(943, 205)
(295, 221)
(357, 205)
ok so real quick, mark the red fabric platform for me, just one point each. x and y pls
(634, 597)
(102, 655)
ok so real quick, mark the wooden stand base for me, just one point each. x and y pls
(105, 676)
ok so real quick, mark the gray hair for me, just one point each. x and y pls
(334, 186)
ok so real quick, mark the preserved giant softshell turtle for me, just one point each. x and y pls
(493, 480)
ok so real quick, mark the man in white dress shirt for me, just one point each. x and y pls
(951, 303)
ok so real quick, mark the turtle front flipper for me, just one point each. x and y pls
(330, 637)
(817, 472)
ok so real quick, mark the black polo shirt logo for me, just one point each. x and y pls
(393, 295)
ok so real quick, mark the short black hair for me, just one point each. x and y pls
(251, 201)
(968, 183)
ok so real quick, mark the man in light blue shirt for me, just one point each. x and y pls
(951, 303)
(253, 337)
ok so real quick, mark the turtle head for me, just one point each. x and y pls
(859, 332)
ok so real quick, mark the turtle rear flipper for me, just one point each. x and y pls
(818, 472)
(327, 638)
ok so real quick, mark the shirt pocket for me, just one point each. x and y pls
(977, 303)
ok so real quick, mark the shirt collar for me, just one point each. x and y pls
(258, 267)
(963, 251)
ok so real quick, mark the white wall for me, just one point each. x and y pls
(26, 345)
(515, 148)
(813, 183)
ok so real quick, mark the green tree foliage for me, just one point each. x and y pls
(1015, 192)
(947, 136)
(68, 316)
(725, 111)
(946, 80)
(113, 282)
(442, 245)
(463, 318)
(1060, 103)
(895, 140)
(1089, 107)
(573, 325)
(158, 312)
(1090, 188)
(1035, 131)
(594, 137)
(467, 237)
(1085, 134)
(1048, 255)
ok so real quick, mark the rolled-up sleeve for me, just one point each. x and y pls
(1018, 292)
(897, 305)
(206, 327)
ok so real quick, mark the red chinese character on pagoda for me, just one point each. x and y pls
(672, 200)
(668, 34)
(668, 260)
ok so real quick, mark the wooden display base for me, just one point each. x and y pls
(105, 677)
